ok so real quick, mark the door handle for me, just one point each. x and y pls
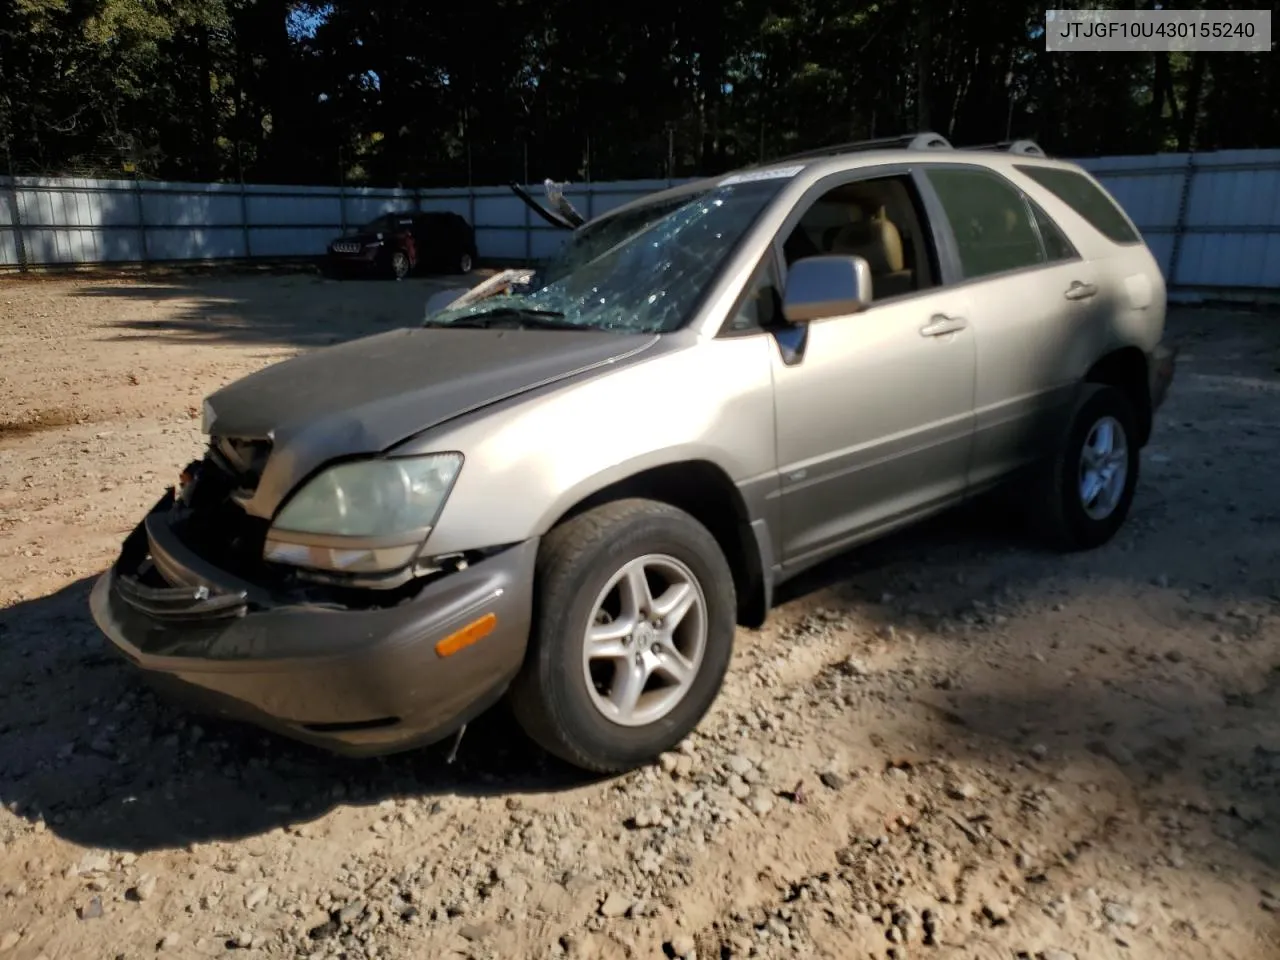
(1081, 291)
(940, 325)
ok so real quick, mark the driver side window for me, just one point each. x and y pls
(877, 219)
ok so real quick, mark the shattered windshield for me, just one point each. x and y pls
(640, 271)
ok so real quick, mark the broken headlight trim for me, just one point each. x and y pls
(363, 516)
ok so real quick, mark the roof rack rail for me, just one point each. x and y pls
(1027, 148)
(910, 141)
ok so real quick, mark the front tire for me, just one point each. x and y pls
(634, 623)
(1088, 488)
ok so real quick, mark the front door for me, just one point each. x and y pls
(874, 410)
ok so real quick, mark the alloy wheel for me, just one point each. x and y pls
(1104, 468)
(645, 641)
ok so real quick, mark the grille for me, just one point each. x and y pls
(165, 602)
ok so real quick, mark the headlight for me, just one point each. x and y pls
(367, 516)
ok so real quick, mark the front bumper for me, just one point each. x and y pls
(1163, 366)
(346, 264)
(356, 681)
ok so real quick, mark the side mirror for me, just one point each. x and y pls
(826, 286)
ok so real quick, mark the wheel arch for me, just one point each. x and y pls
(388, 253)
(704, 490)
(1126, 369)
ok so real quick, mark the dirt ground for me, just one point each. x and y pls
(951, 744)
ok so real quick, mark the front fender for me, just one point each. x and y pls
(529, 461)
(588, 486)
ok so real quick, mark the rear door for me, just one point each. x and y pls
(1131, 276)
(1031, 294)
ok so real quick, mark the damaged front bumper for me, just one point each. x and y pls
(356, 681)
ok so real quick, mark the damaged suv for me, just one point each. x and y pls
(571, 490)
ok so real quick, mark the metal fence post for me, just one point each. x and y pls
(342, 193)
(528, 235)
(15, 215)
(1180, 226)
(142, 217)
(244, 220)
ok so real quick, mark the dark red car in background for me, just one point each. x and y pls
(398, 244)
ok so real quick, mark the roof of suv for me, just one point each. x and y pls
(905, 148)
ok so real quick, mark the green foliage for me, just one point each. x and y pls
(415, 93)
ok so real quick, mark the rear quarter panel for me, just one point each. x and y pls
(1131, 282)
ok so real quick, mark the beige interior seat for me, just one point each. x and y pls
(879, 242)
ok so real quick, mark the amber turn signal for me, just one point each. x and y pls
(461, 639)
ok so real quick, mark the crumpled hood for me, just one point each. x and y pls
(367, 395)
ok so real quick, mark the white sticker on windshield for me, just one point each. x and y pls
(773, 173)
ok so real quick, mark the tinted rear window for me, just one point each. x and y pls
(1085, 198)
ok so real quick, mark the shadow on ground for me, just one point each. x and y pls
(86, 747)
(299, 309)
(1156, 657)
(104, 764)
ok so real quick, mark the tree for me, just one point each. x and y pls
(404, 92)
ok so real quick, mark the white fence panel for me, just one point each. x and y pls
(1211, 219)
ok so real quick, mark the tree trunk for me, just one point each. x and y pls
(924, 65)
(1191, 105)
(277, 49)
(208, 162)
(1165, 76)
(239, 128)
(1158, 87)
(710, 79)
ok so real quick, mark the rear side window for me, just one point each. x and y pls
(990, 220)
(1085, 197)
(1056, 244)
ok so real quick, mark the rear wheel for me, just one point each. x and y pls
(1088, 487)
(465, 263)
(634, 624)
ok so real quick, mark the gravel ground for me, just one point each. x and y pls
(950, 744)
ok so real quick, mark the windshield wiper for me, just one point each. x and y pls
(519, 316)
